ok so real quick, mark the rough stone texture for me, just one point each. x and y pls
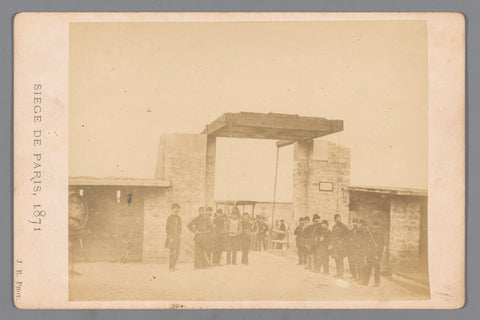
(156, 210)
(329, 163)
(371, 206)
(301, 154)
(210, 168)
(182, 161)
(405, 232)
(113, 227)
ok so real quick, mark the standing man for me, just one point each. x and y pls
(234, 230)
(262, 229)
(323, 247)
(174, 231)
(211, 235)
(248, 228)
(309, 236)
(339, 244)
(374, 252)
(299, 240)
(201, 226)
(357, 249)
(315, 242)
(220, 237)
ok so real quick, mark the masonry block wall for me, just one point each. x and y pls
(210, 171)
(156, 210)
(113, 226)
(373, 207)
(182, 161)
(406, 236)
(321, 176)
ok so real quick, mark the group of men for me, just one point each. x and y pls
(215, 234)
(362, 245)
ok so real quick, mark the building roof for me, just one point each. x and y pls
(388, 190)
(115, 181)
(271, 126)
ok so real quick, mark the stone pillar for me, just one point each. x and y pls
(210, 167)
(405, 233)
(323, 162)
(301, 155)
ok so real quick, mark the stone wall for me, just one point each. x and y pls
(156, 211)
(113, 227)
(373, 206)
(182, 161)
(319, 164)
(405, 233)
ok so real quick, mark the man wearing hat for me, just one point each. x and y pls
(210, 241)
(201, 227)
(373, 252)
(340, 235)
(220, 236)
(309, 234)
(323, 247)
(315, 242)
(233, 228)
(174, 231)
(300, 242)
(262, 229)
(248, 228)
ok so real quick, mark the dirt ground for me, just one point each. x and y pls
(269, 276)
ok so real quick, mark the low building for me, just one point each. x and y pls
(116, 209)
(403, 216)
(127, 216)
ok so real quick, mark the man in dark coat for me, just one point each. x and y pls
(315, 242)
(374, 250)
(340, 235)
(174, 231)
(324, 238)
(210, 242)
(220, 237)
(299, 240)
(357, 249)
(248, 228)
(201, 227)
(309, 233)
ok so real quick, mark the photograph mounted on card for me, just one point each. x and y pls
(239, 160)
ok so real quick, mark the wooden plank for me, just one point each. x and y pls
(218, 124)
(283, 143)
(93, 181)
(394, 191)
(271, 126)
(269, 133)
(293, 122)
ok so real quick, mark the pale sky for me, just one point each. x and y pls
(131, 82)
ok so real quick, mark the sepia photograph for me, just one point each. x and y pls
(248, 161)
(239, 160)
